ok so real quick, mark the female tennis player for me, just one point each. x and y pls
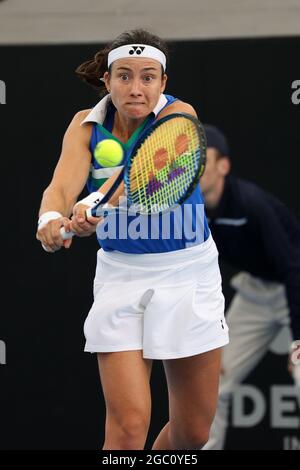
(154, 297)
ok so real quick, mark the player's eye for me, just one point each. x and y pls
(148, 78)
(124, 77)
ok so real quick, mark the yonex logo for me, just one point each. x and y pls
(2, 92)
(136, 50)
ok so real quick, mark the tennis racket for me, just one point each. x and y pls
(162, 170)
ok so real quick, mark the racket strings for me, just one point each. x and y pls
(165, 165)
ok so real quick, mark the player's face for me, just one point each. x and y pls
(135, 86)
(212, 173)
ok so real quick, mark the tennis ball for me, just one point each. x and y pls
(108, 153)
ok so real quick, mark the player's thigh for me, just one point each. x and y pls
(125, 379)
(193, 389)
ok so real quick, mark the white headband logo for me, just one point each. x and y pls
(137, 50)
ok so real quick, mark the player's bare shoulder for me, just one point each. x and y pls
(80, 116)
(76, 129)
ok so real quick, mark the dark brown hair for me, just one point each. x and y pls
(92, 70)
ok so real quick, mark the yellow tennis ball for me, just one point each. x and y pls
(108, 152)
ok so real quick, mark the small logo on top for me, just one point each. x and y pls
(136, 50)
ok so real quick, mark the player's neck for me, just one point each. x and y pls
(213, 197)
(124, 127)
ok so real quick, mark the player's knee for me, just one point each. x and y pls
(191, 438)
(130, 430)
(136, 425)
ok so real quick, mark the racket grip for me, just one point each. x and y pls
(66, 235)
(89, 212)
(96, 211)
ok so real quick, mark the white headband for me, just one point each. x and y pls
(137, 50)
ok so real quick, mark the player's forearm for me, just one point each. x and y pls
(54, 199)
(114, 200)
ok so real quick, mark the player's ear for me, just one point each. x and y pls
(163, 82)
(106, 78)
(224, 165)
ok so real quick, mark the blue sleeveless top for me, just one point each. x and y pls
(180, 228)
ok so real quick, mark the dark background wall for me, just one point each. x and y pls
(50, 395)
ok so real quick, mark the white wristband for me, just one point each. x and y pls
(47, 216)
(91, 200)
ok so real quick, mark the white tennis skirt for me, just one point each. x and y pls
(169, 305)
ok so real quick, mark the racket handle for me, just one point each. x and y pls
(97, 211)
(66, 235)
(89, 212)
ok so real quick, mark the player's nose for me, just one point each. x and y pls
(135, 87)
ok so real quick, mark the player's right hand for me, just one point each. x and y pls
(50, 237)
(81, 225)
